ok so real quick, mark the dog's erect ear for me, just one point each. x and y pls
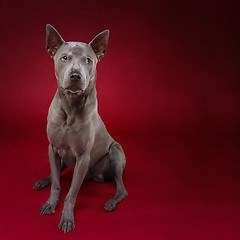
(99, 44)
(54, 40)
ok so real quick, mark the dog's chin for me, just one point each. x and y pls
(73, 92)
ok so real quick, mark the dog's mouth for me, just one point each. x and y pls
(77, 91)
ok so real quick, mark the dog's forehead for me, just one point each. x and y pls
(77, 48)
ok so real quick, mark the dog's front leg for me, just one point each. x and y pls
(79, 173)
(55, 163)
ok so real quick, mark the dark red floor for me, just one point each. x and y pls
(168, 91)
(179, 188)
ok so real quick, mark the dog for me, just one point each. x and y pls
(77, 136)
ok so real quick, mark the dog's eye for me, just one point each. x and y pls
(64, 58)
(88, 60)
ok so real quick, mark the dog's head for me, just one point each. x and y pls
(75, 62)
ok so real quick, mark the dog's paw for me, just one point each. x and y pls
(48, 209)
(41, 184)
(66, 225)
(110, 205)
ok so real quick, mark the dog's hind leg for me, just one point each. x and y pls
(41, 184)
(117, 163)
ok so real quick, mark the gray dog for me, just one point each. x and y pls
(78, 138)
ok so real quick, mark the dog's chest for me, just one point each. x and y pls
(69, 137)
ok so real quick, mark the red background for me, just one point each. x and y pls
(168, 91)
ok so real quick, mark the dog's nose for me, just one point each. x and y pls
(75, 76)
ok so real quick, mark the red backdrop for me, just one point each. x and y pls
(168, 91)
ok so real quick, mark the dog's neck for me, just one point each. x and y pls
(75, 105)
